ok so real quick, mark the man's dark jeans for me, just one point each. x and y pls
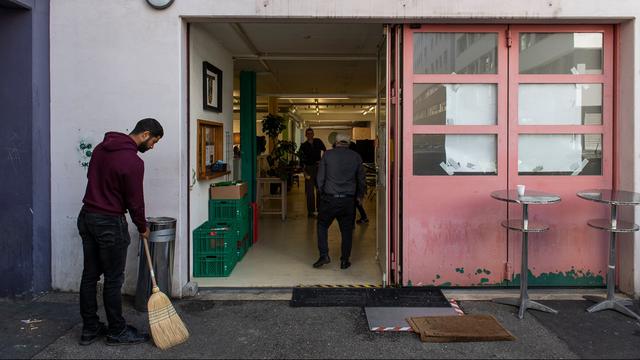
(311, 188)
(342, 209)
(105, 239)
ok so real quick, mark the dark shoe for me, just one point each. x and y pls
(344, 264)
(128, 336)
(89, 337)
(323, 260)
(363, 221)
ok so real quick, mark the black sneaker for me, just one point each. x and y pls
(362, 221)
(88, 337)
(344, 264)
(323, 260)
(128, 336)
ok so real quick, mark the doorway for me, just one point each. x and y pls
(323, 76)
(489, 107)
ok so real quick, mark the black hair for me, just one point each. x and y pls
(308, 129)
(150, 125)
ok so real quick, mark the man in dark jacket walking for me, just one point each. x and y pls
(311, 150)
(341, 183)
(114, 186)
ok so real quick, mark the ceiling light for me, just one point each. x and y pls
(310, 97)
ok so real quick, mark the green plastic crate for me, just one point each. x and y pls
(214, 265)
(229, 210)
(220, 238)
(243, 246)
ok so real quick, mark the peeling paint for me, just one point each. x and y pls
(569, 278)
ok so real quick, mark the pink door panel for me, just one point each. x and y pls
(450, 226)
(542, 98)
(570, 253)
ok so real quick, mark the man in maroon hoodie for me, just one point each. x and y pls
(114, 187)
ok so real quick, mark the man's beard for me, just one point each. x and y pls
(143, 147)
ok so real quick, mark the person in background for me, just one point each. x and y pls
(115, 186)
(359, 204)
(341, 182)
(312, 151)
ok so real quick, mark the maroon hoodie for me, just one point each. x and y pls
(115, 179)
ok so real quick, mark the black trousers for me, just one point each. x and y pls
(105, 239)
(363, 214)
(342, 209)
(311, 187)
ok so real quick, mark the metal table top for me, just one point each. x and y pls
(608, 196)
(529, 197)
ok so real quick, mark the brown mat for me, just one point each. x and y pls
(459, 328)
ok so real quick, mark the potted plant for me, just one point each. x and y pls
(282, 158)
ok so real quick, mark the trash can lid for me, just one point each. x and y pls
(161, 220)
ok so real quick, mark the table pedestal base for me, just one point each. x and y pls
(611, 304)
(524, 304)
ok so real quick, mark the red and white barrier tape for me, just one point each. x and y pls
(456, 307)
(382, 328)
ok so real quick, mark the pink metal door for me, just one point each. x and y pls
(454, 155)
(489, 107)
(560, 141)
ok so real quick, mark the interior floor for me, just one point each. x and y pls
(286, 250)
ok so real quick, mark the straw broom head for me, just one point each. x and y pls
(167, 329)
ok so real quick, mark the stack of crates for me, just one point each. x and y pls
(223, 240)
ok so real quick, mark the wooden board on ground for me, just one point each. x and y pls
(459, 328)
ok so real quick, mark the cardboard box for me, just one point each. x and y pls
(228, 192)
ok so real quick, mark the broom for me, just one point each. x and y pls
(167, 329)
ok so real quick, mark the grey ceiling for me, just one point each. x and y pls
(299, 58)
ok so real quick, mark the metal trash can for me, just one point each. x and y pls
(161, 248)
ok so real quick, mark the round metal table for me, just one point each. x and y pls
(530, 197)
(613, 198)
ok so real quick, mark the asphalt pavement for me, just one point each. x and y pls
(49, 327)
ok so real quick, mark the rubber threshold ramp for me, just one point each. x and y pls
(427, 296)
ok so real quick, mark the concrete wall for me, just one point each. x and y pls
(25, 266)
(204, 47)
(117, 61)
(113, 63)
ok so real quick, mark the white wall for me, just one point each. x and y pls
(204, 47)
(114, 62)
(628, 135)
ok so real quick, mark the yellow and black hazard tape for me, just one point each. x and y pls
(348, 286)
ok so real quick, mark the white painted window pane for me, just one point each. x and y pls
(455, 104)
(560, 154)
(561, 53)
(560, 104)
(438, 154)
(459, 53)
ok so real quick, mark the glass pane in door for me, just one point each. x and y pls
(455, 104)
(459, 53)
(439, 154)
(561, 53)
(560, 154)
(560, 104)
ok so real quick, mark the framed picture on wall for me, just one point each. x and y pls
(211, 87)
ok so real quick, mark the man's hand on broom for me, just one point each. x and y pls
(146, 234)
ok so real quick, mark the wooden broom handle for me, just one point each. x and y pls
(153, 275)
